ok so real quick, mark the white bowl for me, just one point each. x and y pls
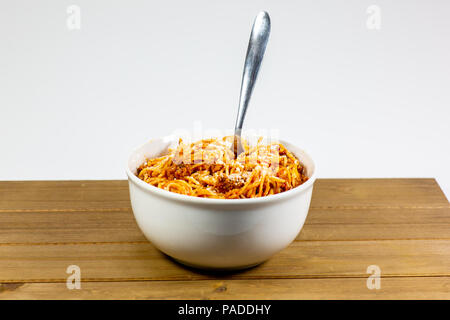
(217, 233)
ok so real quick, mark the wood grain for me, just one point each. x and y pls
(302, 259)
(113, 194)
(289, 289)
(76, 226)
(19, 196)
(328, 224)
(99, 211)
(378, 193)
(401, 225)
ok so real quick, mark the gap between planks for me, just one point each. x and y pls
(129, 209)
(218, 277)
(148, 242)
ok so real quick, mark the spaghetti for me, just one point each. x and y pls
(208, 168)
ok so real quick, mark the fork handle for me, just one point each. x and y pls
(255, 53)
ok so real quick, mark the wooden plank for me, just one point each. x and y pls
(328, 193)
(117, 226)
(64, 227)
(63, 195)
(361, 232)
(357, 193)
(340, 288)
(82, 214)
(75, 227)
(302, 259)
(440, 215)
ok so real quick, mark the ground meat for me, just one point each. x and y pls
(226, 184)
(178, 171)
(182, 171)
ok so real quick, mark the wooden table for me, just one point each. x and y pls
(400, 225)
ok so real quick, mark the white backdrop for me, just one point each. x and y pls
(363, 102)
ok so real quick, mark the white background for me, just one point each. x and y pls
(363, 103)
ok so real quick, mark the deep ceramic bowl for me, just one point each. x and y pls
(217, 233)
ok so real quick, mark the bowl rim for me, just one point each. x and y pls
(191, 199)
